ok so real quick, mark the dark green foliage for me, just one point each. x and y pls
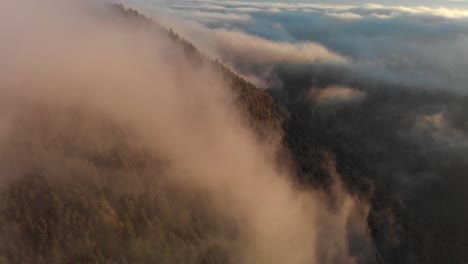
(414, 180)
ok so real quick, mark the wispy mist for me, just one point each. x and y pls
(81, 82)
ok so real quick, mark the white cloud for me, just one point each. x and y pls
(338, 11)
(437, 120)
(421, 10)
(238, 47)
(217, 16)
(422, 53)
(235, 45)
(335, 94)
(345, 15)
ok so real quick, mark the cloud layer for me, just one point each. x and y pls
(415, 45)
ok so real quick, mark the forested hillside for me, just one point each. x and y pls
(90, 192)
(265, 113)
(81, 184)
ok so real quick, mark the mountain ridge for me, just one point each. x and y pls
(103, 204)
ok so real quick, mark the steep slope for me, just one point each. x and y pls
(84, 188)
(266, 115)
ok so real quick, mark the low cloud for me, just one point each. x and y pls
(217, 17)
(418, 46)
(452, 13)
(335, 94)
(345, 15)
(235, 46)
(86, 86)
(437, 121)
(375, 10)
